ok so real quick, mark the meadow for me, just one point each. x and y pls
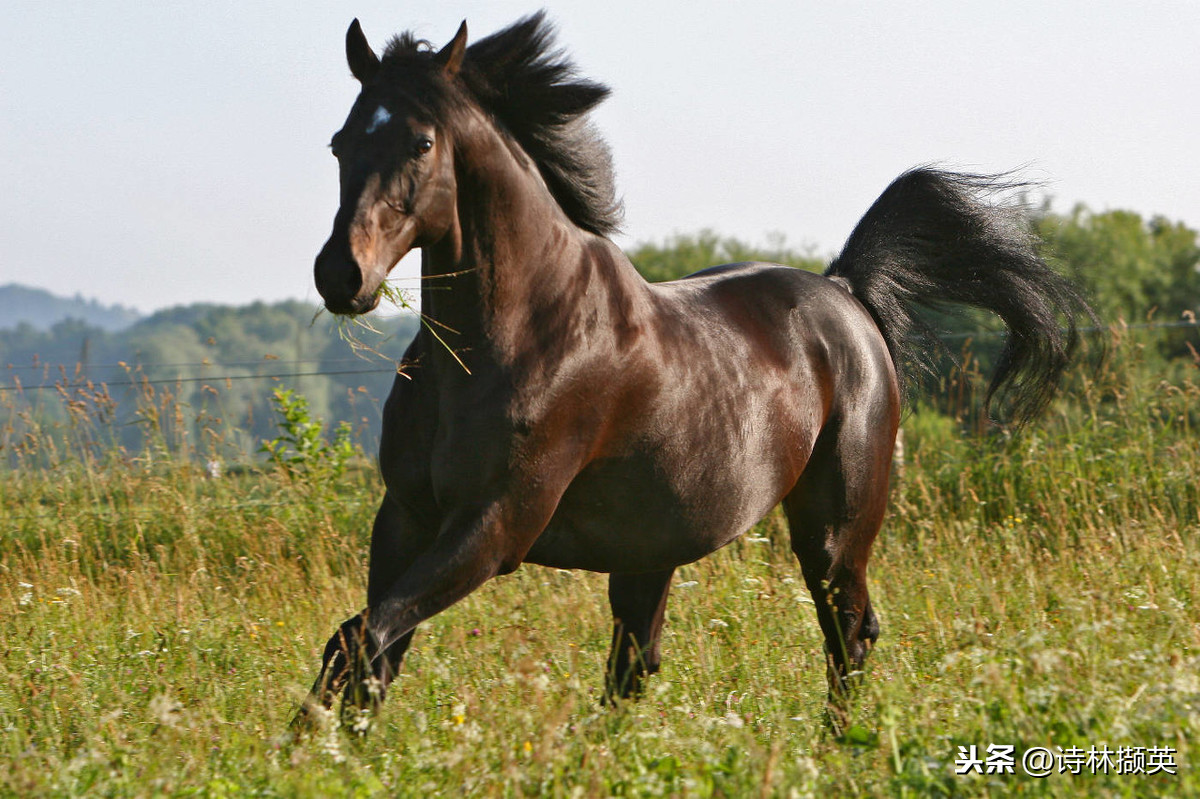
(158, 626)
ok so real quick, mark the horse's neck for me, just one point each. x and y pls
(520, 269)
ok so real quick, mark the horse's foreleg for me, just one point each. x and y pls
(470, 548)
(349, 661)
(638, 603)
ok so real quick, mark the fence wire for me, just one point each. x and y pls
(77, 379)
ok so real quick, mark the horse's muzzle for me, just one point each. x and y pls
(340, 282)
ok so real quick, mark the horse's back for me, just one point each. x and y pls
(785, 311)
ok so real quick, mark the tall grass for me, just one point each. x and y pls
(159, 626)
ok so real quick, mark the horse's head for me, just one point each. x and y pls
(396, 171)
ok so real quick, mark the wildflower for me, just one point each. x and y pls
(331, 746)
(362, 722)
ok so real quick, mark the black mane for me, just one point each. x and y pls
(531, 89)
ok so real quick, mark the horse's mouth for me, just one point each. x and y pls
(354, 306)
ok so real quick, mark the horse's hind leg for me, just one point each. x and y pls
(348, 663)
(638, 603)
(835, 512)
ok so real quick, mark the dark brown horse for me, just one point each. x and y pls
(600, 422)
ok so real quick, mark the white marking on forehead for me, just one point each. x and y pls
(381, 118)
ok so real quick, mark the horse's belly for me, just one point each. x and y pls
(622, 517)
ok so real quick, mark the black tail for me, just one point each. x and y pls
(932, 239)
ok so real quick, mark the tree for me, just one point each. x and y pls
(1132, 269)
(684, 254)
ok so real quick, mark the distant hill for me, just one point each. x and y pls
(42, 310)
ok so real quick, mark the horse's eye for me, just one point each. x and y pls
(423, 145)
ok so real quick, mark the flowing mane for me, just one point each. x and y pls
(532, 91)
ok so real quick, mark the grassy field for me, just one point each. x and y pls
(158, 627)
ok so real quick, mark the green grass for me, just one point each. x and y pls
(158, 628)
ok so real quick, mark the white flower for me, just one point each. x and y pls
(362, 722)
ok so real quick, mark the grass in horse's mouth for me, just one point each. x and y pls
(401, 299)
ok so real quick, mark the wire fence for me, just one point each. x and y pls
(82, 378)
(266, 360)
(80, 373)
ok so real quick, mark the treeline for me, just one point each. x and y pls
(1133, 269)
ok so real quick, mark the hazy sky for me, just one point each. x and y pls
(163, 153)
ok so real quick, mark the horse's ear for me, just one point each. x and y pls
(363, 61)
(451, 56)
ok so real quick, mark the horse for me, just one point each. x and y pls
(559, 410)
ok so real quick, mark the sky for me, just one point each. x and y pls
(168, 153)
